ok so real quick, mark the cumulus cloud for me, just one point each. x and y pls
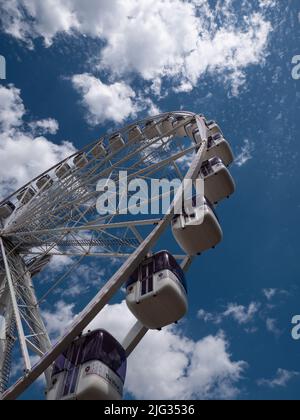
(43, 127)
(115, 102)
(26, 19)
(177, 367)
(105, 102)
(282, 379)
(154, 39)
(12, 108)
(58, 320)
(182, 368)
(23, 155)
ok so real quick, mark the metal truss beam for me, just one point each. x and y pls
(17, 314)
(92, 226)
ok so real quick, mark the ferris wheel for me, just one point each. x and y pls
(57, 215)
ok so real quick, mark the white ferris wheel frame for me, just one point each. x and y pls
(13, 255)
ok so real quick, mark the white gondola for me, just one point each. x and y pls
(190, 128)
(44, 183)
(116, 143)
(7, 209)
(26, 195)
(99, 150)
(93, 368)
(166, 126)
(37, 264)
(198, 229)
(151, 130)
(135, 134)
(63, 170)
(218, 146)
(196, 136)
(180, 126)
(214, 128)
(218, 181)
(81, 161)
(157, 292)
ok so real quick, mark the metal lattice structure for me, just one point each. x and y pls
(56, 215)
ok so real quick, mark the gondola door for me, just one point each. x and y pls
(146, 278)
(72, 373)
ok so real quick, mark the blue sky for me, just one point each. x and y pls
(230, 60)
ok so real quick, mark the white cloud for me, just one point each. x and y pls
(28, 19)
(177, 367)
(154, 39)
(105, 102)
(209, 317)
(282, 379)
(241, 314)
(58, 321)
(82, 279)
(12, 108)
(272, 327)
(246, 153)
(249, 317)
(270, 293)
(115, 102)
(46, 126)
(185, 162)
(59, 262)
(184, 87)
(22, 155)
(268, 3)
(18, 368)
(148, 105)
(182, 368)
(79, 276)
